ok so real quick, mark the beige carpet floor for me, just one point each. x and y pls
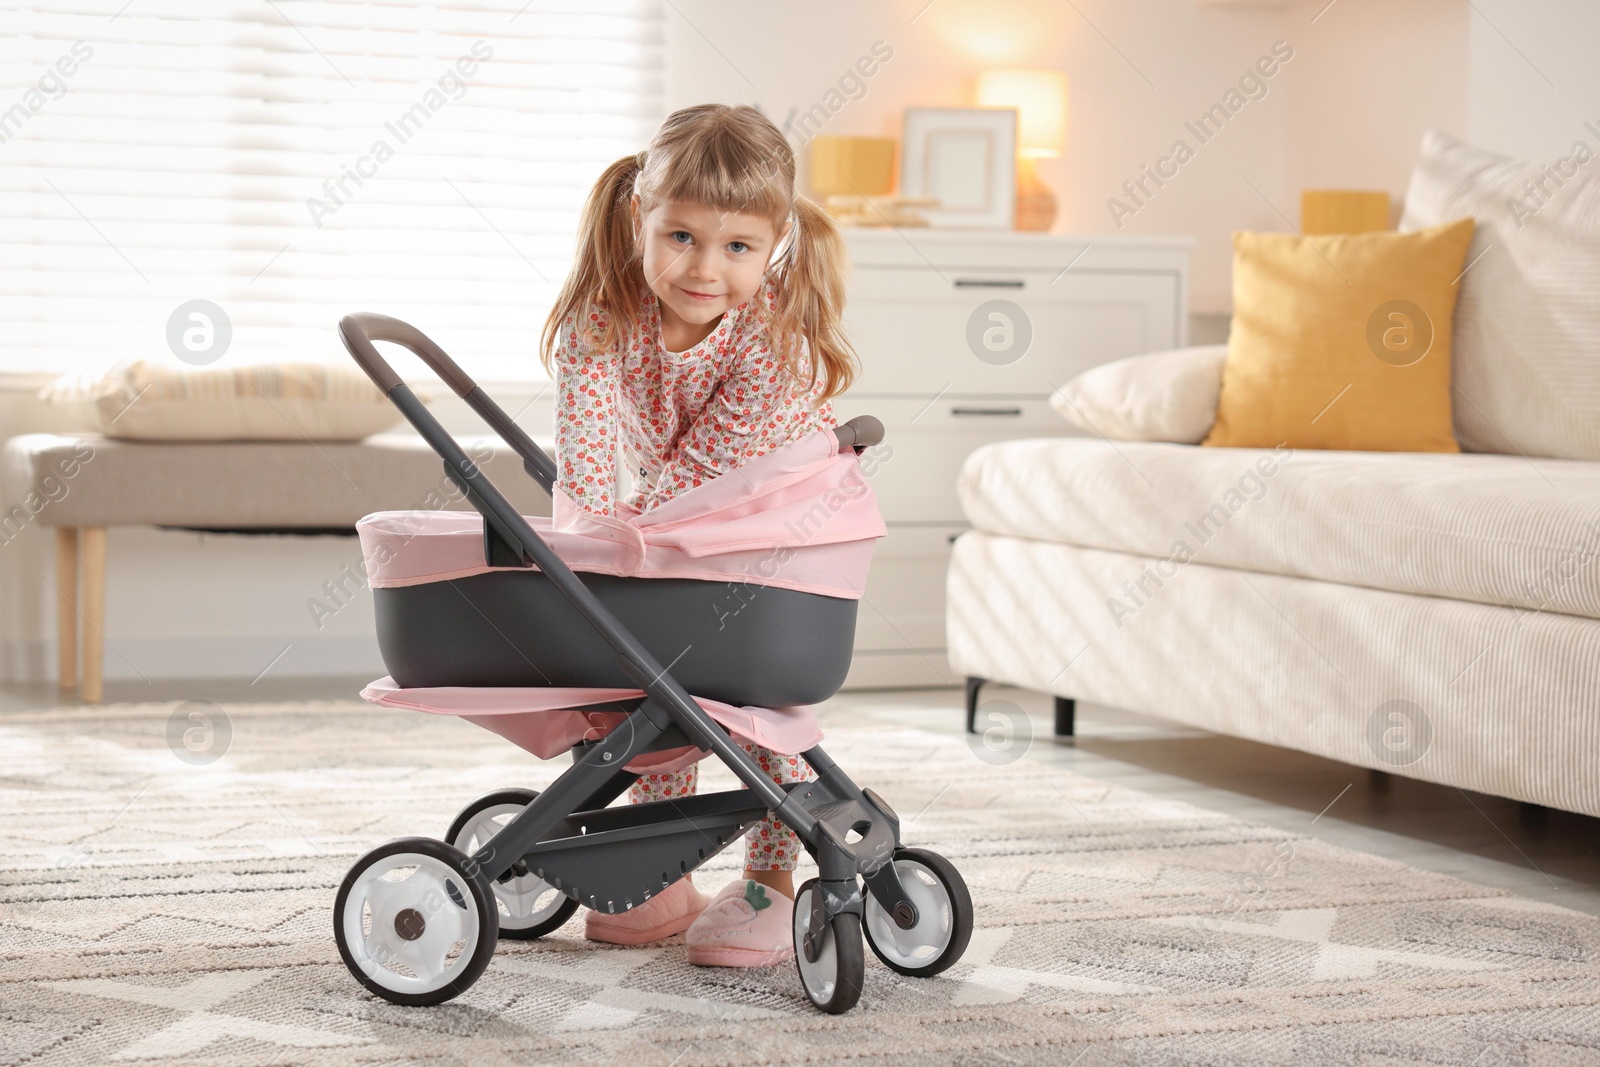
(166, 893)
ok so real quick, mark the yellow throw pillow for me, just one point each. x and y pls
(1342, 341)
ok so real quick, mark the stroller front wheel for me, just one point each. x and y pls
(415, 921)
(529, 906)
(834, 975)
(944, 917)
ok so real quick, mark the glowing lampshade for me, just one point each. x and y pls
(1040, 97)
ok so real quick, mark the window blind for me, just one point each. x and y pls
(292, 161)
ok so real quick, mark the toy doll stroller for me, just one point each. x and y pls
(747, 585)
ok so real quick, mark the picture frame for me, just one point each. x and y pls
(966, 157)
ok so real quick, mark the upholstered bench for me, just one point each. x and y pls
(84, 484)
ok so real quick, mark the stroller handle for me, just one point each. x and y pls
(509, 540)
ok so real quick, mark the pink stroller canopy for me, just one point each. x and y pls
(801, 517)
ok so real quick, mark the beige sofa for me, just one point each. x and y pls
(1433, 615)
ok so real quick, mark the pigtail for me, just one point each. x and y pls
(810, 302)
(606, 275)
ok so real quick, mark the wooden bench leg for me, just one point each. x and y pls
(67, 607)
(94, 612)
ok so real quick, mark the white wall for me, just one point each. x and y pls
(1534, 76)
(1367, 78)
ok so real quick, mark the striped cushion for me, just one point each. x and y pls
(1527, 324)
(1159, 396)
(139, 400)
(1495, 529)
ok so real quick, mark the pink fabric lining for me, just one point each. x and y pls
(801, 517)
(548, 720)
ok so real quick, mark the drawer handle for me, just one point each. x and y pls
(985, 411)
(990, 283)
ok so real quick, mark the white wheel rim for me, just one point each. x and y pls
(524, 901)
(936, 919)
(413, 956)
(821, 976)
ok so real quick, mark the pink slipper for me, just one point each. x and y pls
(668, 912)
(746, 925)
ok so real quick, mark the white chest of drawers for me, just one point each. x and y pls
(962, 337)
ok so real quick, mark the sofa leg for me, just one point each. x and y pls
(1066, 716)
(1530, 816)
(973, 685)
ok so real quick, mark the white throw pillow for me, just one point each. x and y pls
(1527, 321)
(1162, 396)
(142, 401)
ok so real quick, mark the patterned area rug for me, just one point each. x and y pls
(166, 889)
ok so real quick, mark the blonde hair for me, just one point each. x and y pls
(732, 159)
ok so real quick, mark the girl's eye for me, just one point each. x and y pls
(682, 233)
(739, 246)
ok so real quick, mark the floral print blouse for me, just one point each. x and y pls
(682, 418)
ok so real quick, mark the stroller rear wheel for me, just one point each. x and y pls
(529, 906)
(415, 921)
(836, 968)
(944, 916)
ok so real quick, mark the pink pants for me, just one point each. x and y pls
(770, 845)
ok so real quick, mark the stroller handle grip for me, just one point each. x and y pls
(360, 330)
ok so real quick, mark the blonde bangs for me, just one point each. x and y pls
(720, 169)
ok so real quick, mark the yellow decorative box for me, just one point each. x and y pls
(853, 165)
(1343, 211)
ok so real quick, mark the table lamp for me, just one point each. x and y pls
(1040, 97)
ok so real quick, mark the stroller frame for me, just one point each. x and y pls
(614, 859)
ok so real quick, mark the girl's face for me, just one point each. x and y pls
(700, 261)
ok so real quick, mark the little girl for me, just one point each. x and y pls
(699, 329)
